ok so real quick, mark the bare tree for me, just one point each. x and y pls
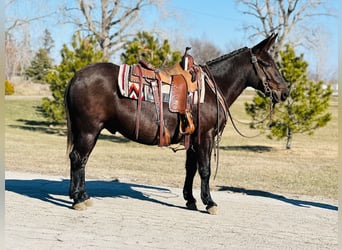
(18, 51)
(14, 22)
(11, 58)
(18, 46)
(111, 22)
(203, 50)
(288, 18)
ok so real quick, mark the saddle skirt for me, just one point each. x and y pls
(129, 84)
(178, 85)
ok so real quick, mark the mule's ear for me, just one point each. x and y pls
(272, 40)
(265, 44)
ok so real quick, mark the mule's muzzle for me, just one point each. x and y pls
(280, 95)
(284, 95)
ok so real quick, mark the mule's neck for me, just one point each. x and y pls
(233, 73)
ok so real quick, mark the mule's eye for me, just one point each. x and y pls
(265, 64)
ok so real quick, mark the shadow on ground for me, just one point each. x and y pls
(46, 190)
(295, 202)
(251, 148)
(38, 126)
(47, 128)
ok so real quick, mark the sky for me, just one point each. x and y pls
(223, 24)
(218, 21)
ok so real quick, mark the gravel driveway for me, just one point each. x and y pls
(128, 215)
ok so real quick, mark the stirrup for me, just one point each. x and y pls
(190, 127)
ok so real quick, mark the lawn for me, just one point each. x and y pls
(309, 168)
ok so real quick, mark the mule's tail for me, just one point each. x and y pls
(70, 135)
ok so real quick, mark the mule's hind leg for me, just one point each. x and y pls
(77, 190)
(78, 160)
(191, 168)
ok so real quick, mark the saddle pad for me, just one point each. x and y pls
(132, 90)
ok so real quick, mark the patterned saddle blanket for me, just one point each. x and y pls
(129, 86)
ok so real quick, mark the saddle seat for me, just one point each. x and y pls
(166, 74)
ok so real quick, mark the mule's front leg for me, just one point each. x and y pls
(191, 168)
(204, 156)
(77, 190)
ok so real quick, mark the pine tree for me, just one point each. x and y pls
(147, 47)
(305, 109)
(48, 42)
(40, 65)
(83, 53)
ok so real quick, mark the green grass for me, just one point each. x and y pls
(309, 168)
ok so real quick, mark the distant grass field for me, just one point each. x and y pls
(309, 168)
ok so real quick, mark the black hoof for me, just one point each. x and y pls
(191, 205)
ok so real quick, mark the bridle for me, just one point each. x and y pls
(263, 76)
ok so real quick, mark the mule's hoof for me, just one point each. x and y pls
(89, 202)
(191, 206)
(212, 210)
(83, 205)
(80, 206)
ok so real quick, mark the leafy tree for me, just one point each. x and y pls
(82, 53)
(305, 109)
(9, 88)
(40, 65)
(146, 46)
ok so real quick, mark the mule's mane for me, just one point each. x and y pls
(221, 58)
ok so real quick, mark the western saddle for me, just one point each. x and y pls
(184, 77)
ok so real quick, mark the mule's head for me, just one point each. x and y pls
(270, 81)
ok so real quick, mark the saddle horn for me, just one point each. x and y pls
(187, 60)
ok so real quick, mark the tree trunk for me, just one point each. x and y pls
(288, 138)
